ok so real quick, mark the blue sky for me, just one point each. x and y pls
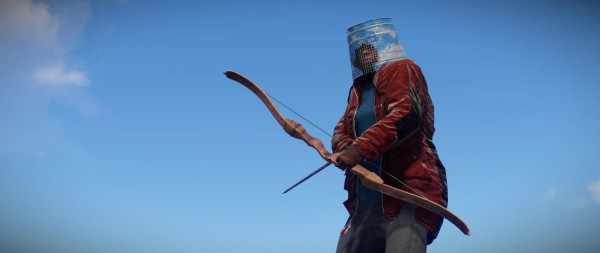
(120, 134)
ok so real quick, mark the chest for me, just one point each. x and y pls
(367, 102)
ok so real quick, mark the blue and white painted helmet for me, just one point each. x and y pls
(372, 44)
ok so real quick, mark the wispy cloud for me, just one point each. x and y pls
(27, 20)
(594, 189)
(36, 38)
(580, 202)
(57, 75)
(550, 193)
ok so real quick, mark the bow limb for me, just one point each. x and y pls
(368, 178)
(374, 182)
(291, 127)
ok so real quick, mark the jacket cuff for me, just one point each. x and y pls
(362, 155)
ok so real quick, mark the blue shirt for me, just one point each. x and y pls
(363, 119)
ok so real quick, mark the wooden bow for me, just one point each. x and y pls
(368, 178)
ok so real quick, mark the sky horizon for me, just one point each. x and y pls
(120, 132)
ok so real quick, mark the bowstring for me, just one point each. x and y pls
(345, 145)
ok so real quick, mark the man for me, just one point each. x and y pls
(388, 128)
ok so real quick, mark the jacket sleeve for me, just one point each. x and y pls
(341, 137)
(396, 83)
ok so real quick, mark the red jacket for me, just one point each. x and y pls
(402, 137)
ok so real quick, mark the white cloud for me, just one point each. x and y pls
(594, 189)
(27, 20)
(550, 193)
(57, 75)
(38, 71)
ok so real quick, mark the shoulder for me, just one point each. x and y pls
(395, 73)
(398, 65)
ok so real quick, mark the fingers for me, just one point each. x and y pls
(343, 163)
(340, 163)
(349, 158)
(334, 157)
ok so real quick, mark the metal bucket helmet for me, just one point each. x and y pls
(372, 44)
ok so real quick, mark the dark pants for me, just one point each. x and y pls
(369, 231)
